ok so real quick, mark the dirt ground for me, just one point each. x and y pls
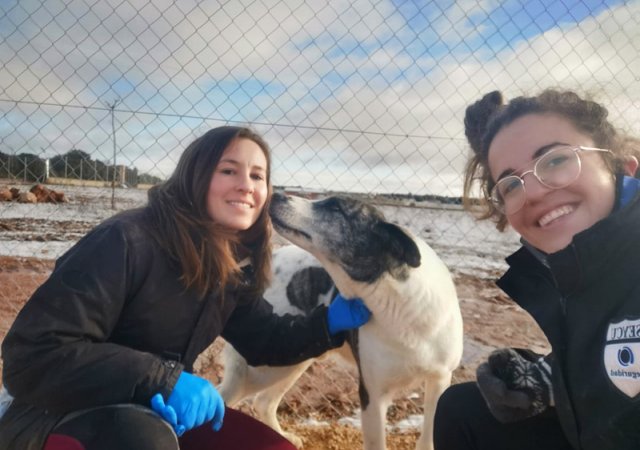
(328, 391)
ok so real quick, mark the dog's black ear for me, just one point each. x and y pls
(402, 246)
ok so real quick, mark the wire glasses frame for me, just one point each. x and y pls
(556, 169)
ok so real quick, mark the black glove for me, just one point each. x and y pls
(515, 383)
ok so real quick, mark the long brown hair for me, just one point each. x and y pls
(207, 253)
(486, 117)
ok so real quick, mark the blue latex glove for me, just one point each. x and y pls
(346, 314)
(194, 401)
(167, 413)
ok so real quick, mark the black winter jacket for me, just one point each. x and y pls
(114, 324)
(587, 302)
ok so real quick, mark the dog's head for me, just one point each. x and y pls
(346, 232)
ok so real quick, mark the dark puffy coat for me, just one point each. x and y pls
(588, 291)
(114, 324)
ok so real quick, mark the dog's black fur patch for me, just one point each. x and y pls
(353, 339)
(376, 246)
(306, 286)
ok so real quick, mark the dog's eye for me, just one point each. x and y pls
(330, 204)
(334, 206)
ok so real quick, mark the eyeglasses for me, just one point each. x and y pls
(555, 169)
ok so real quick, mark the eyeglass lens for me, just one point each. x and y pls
(555, 169)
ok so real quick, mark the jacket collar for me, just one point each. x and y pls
(587, 257)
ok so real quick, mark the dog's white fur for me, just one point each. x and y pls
(415, 332)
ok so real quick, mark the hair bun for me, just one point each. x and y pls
(477, 116)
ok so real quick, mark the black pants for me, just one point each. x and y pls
(122, 427)
(463, 421)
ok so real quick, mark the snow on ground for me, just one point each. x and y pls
(48, 230)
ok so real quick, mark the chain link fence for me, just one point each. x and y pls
(361, 97)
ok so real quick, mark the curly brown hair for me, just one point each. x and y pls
(487, 116)
(207, 253)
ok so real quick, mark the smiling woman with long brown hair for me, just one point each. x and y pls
(101, 356)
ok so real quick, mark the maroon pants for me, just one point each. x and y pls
(239, 431)
(94, 430)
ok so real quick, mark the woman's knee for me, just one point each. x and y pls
(239, 431)
(119, 426)
(458, 407)
(460, 401)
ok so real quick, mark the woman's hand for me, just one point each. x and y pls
(346, 314)
(515, 383)
(193, 402)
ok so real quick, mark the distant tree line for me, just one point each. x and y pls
(427, 197)
(75, 164)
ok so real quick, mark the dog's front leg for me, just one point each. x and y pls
(272, 383)
(434, 386)
(374, 413)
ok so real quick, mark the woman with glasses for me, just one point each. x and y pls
(554, 169)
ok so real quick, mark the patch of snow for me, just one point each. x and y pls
(465, 245)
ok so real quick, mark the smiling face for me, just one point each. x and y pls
(551, 217)
(238, 189)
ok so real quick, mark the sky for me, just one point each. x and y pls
(364, 96)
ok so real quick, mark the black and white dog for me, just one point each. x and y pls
(415, 331)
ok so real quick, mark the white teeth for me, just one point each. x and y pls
(240, 204)
(553, 215)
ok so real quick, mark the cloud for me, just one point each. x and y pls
(358, 95)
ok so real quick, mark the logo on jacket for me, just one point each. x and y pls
(620, 362)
